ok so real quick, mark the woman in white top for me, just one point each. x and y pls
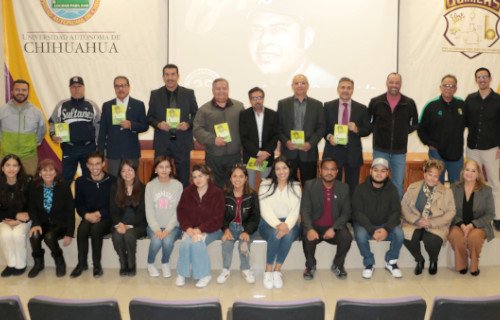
(279, 197)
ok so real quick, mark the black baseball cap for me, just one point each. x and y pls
(76, 80)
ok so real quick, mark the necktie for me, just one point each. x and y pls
(345, 115)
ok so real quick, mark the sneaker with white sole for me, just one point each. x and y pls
(203, 282)
(180, 281)
(393, 268)
(153, 272)
(165, 269)
(268, 280)
(368, 272)
(248, 276)
(277, 279)
(223, 276)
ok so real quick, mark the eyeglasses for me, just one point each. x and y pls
(256, 98)
(483, 77)
(121, 86)
(449, 86)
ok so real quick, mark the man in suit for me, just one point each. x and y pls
(303, 113)
(121, 141)
(345, 111)
(173, 142)
(325, 209)
(258, 133)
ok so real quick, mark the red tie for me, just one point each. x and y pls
(345, 115)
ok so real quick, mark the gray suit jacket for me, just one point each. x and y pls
(483, 209)
(314, 127)
(311, 204)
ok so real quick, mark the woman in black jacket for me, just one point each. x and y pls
(241, 220)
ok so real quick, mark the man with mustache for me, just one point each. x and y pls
(22, 127)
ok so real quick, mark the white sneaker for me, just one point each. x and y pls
(393, 268)
(268, 280)
(368, 272)
(248, 276)
(180, 281)
(153, 272)
(203, 282)
(223, 276)
(165, 269)
(277, 279)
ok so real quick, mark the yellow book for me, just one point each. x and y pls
(62, 131)
(173, 117)
(252, 165)
(297, 137)
(341, 134)
(222, 131)
(118, 114)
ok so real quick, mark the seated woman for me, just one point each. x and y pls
(472, 224)
(279, 198)
(427, 209)
(200, 213)
(162, 197)
(240, 222)
(128, 216)
(52, 210)
(14, 219)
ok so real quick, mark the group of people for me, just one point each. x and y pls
(199, 209)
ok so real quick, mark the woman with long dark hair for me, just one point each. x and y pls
(14, 219)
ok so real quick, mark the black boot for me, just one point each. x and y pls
(39, 266)
(123, 266)
(419, 267)
(433, 267)
(60, 266)
(97, 270)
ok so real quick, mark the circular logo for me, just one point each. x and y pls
(70, 12)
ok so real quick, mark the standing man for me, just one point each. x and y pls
(92, 195)
(376, 214)
(393, 117)
(82, 117)
(345, 111)
(302, 113)
(482, 118)
(22, 127)
(120, 140)
(175, 142)
(220, 154)
(325, 209)
(258, 133)
(441, 127)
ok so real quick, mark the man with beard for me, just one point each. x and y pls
(325, 210)
(22, 127)
(376, 213)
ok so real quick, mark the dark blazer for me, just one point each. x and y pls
(62, 213)
(311, 205)
(122, 143)
(314, 127)
(250, 137)
(359, 115)
(483, 208)
(158, 103)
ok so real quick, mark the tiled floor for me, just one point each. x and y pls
(325, 286)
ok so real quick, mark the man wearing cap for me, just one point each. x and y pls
(82, 117)
(376, 214)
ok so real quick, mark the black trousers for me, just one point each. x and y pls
(221, 165)
(308, 170)
(50, 234)
(181, 162)
(126, 245)
(96, 231)
(342, 239)
(432, 244)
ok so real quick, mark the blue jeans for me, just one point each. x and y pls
(195, 255)
(362, 237)
(453, 167)
(228, 245)
(397, 164)
(166, 245)
(277, 249)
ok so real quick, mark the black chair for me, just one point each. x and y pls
(310, 309)
(11, 308)
(408, 308)
(484, 308)
(46, 308)
(141, 308)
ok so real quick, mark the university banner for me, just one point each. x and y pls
(46, 42)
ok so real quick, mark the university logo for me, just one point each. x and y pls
(472, 26)
(70, 12)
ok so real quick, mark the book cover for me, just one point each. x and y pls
(222, 131)
(297, 137)
(340, 134)
(62, 131)
(118, 114)
(252, 165)
(173, 117)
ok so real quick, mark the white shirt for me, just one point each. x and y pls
(282, 204)
(259, 118)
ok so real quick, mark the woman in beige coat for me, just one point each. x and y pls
(427, 211)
